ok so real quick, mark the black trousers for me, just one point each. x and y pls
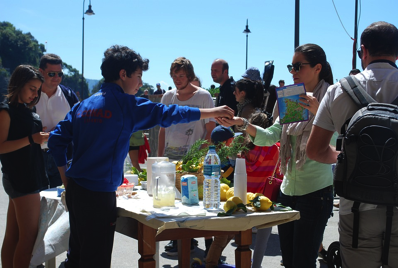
(92, 218)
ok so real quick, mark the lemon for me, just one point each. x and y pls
(230, 205)
(257, 194)
(236, 200)
(249, 196)
(230, 192)
(265, 204)
(223, 191)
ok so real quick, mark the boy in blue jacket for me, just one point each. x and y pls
(100, 128)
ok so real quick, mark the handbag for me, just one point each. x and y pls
(272, 185)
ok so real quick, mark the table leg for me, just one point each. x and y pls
(243, 252)
(184, 252)
(146, 246)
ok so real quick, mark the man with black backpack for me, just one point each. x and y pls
(55, 102)
(368, 221)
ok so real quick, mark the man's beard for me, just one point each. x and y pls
(182, 88)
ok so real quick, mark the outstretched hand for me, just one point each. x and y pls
(228, 122)
(216, 112)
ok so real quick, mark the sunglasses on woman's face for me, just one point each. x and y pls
(52, 74)
(296, 66)
(359, 53)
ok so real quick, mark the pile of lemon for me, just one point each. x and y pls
(258, 201)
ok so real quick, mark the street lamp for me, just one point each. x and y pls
(247, 31)
(88, 12)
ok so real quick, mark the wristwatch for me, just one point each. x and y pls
(245, 124)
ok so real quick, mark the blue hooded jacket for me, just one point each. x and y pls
(100, 128)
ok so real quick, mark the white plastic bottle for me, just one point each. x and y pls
(211, 184)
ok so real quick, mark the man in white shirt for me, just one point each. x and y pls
(379, 51)
(175, 141)
(55, 102)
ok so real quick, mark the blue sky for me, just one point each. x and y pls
(162, 30)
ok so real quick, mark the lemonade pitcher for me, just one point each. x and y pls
(163, 193)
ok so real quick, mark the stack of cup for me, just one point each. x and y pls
(240, 179)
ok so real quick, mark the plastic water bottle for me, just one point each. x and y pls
(127, 164)
(211, 184)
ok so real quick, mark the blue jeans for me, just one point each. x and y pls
(300, 240)
(52, 170)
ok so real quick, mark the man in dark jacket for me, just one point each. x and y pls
(219, 73)
(55, 102)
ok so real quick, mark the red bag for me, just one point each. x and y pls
(272, 186)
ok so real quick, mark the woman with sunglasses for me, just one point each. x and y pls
(307, 184)
(23, 170)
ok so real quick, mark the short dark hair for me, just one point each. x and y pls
(182, 63)
(117, 58)
(50, 59)
(354, 72)
(314, 54)
(281, 81)
(381, 39)
(254, 91)
(22, 75)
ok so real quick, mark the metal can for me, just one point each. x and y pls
(189, 190)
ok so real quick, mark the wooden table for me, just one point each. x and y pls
(132, 222)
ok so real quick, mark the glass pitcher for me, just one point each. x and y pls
(164, 175)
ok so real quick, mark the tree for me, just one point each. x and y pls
(18, 48)
(97, 87)
(144, 87)
(4, 78)
(73, 80)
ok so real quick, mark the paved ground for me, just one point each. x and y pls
(125, 249)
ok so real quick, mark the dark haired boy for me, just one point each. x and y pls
(100, 128)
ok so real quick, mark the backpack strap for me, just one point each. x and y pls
(355, 226)
(355, 90)
(387, 235)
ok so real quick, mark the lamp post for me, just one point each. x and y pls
(88, 12)
(247, 31)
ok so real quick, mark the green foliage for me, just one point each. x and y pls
(4, 78)
(18, 48)
(73, 79)
(195, 152)
(233, 149)
(97, 87)
(213, 91)
(194, 158)
(144, 87)
(142, 176)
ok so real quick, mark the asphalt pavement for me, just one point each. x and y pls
(125, 250)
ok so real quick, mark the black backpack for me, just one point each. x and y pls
(367, 166)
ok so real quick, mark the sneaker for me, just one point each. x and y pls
(174, 250)
(194, 242)
(220, 261)
(323, 255)
(170, 245)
